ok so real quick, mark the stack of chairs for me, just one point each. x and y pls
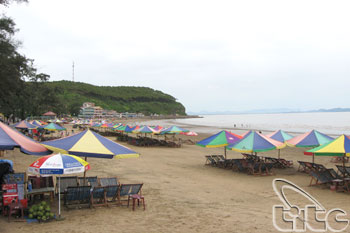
(250, 164)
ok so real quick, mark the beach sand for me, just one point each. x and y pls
(182, 194)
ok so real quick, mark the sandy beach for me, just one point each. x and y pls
(182, 194)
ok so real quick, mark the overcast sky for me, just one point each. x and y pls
(210, 55)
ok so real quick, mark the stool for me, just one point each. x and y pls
(138, 198)
(13, 208)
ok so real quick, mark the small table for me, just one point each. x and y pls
(138, 198)
(49, 190)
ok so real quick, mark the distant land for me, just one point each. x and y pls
(268, 111)
(119, 98)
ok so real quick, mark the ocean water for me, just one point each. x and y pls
(332, 123)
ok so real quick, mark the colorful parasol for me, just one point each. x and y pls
(24, 125)
(90, 144)
(58, 164)
(11, 138)
(52, 127)
(280, 136)
(256, 142)
(310, 139)
(221, 139)
(173, 130)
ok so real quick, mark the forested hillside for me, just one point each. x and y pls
(121, 99)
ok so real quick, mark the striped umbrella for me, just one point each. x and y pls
(11, 138)
(221, 139)
(58, 164)
(256, 142)
(52, 127)
(90, 144)
(309, 139)
(24, 125)
(280, 136)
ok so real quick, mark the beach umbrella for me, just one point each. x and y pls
(11, 138)
(173, 130)
(280, 136)
(58, 164)
(256, 142)
(158, 128)
(24, 125)
(338, 147)
(244, 134)
(52, 127)
(145, 129)
(309, 139)
(191, 133)
(36, 123)
(130, 129)
(221, 139)
(90, 144)
(120, 128)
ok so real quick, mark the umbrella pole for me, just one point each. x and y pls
(313, 158)
(225, 151)
(85, 172)
(279, 153)
(59, 196)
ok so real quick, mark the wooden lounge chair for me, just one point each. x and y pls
(320, 178)
(80, 195)
(302, 167)
(98, 196)
(108, 181)
(342, 171)
(65, 182)
(111, 194)
(210, 161)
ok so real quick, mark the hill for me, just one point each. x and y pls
(121, 98)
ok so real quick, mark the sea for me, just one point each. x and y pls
(331, 123)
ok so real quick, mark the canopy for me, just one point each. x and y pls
(24, 125)
(90, 144)
(173, 130)
(36, 123)
(223, 138)
(310, 139)
(10, 138)
(144, 129)
(52, 127)
(338, 147)
(120, 128)
(49, 114)
(280, 136)
(58, 164)
(256, 142)
(158, 128)
(129, 129)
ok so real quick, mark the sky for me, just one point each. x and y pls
(210, 55)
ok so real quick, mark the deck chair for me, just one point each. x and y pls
(320, 178)
(91, 180)
(342, 171)
(111, 194)
(302, 167)
(79, 195)
(65, 182)
(126, 190)
(210, 161)
(98, 196)
(108, 181)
